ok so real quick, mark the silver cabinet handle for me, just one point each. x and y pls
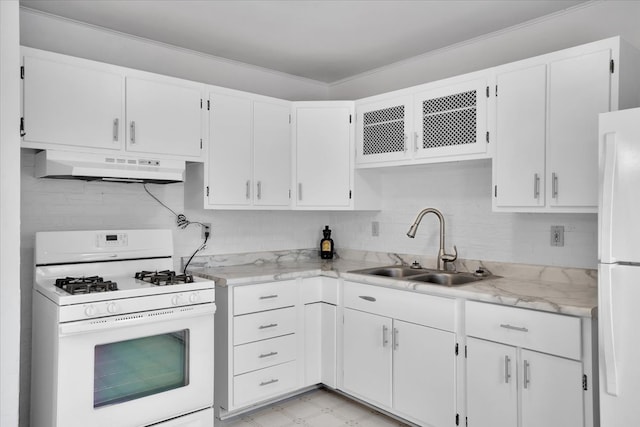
(554, 185)
(132, 132)
(269, 296)
(275, 380)
(514, 328)
(396, 341)
(415, 142)
(299, 191)
(271, 325)
(536, 186)
(526, 374)
(368, 298)
(259, 188)
(248, 189)
(116, 126)
(385, 338)
(507, 369)
(262, 356)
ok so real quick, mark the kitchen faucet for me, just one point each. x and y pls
(443, 258)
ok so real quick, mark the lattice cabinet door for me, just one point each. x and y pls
(452, 120)
(384, 130)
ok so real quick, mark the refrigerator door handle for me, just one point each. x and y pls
(607, 331)
(609, 156)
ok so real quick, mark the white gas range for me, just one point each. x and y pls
(118, 338)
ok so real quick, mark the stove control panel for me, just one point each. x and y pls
(112, 240)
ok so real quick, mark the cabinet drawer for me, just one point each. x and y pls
(260, 326)
(262, 354)
(259, 385)
(428, 310)
(264, 296)
(536, 330)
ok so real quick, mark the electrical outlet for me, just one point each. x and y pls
(375, 228)
(206, 228)
(557, 235)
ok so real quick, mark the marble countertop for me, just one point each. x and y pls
(566, 291)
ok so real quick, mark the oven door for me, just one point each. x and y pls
(135, 369)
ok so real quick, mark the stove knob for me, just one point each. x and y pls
(90, 311)
(194, 297)
(176, 300)
(112, 307)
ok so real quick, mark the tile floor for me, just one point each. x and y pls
(316, 408)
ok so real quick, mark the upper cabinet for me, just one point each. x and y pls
(323, 163)
(547, 108)
(249, 159)
(78, 105)
(440, 121)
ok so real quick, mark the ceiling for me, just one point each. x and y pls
(323, 40)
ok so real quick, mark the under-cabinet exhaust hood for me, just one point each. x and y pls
(105, 167)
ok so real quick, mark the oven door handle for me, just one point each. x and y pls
(136, 319)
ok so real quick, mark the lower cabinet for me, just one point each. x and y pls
(403, 367)
(510, 385)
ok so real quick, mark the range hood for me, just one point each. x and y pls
(105, 167)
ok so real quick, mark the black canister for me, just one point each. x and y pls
(326, 244)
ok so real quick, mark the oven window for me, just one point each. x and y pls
(128, 370)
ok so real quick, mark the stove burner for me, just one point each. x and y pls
(86, 285)
(164, 278)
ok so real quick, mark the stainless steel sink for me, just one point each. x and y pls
(437, 277)
(397, 271)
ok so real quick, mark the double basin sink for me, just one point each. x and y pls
(438, 277)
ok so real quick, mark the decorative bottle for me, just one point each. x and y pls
(326, 244)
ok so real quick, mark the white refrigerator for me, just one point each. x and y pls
(619, 268)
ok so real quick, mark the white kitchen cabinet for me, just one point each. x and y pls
(80, 105)
(451, 120)
(249, 158)
(547, 108)
(399, 352)
(259, 338)
(525, 368)
(163, 117)
(435, 122)
(68, 104)
(324, 146)
(383, 130)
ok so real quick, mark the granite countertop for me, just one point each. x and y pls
(552, 289)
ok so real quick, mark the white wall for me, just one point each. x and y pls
(48, 32)
(462, 192)
(591, 22)
(9, 215)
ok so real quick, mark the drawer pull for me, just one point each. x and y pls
(275, 380)
(514, 328)
(527, 374)
(262, 356)
(271, 325)
(368, 298)
(268, 296)
(507, 369)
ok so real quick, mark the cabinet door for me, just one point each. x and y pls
(551, 391)
(492, 392)
(323, 156)
(452, 120)
(320, 344)
(271, 154)
(579, 90)
(68, 104)
(383, 131)
(424, 373)
(520, 133)
(229, 150)
(163, 118)
(367, 356)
